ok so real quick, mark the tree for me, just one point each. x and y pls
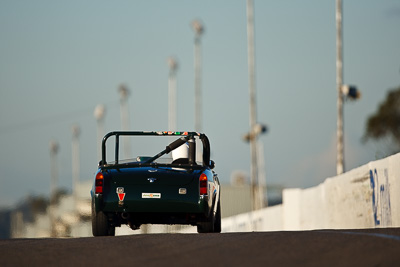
(384, 125)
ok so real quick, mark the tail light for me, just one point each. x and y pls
(99, 183)
(203, 184)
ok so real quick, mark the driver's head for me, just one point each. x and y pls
(181, 152)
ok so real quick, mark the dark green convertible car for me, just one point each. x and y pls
(176, 184)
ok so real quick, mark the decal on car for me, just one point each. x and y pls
(151, 195)
(121, 195)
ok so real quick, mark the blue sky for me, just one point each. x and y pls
(59, 59)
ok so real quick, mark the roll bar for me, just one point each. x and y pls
(187, 136)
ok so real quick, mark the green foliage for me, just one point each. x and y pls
(385, 123)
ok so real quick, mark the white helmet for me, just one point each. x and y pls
(181, 152)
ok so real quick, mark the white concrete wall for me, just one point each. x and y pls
(365, 197)
(394, 183)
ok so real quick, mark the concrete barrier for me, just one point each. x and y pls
(365, 197)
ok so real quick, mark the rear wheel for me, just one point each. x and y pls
(207, 226)
(100, 224)
(213, 224)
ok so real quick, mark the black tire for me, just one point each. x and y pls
(208, 226)
(217, 221)
(100, 224)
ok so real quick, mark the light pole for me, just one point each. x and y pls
(252, 106)
(53, 185)
(199, 30)
(262, 183)
(172, 117)
(349, 91)
(259, 184)
(99, 114)
(339, 83)
(75, 163)
(124, 93)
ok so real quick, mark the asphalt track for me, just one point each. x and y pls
(372, 247)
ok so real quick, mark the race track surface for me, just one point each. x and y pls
(372, 247)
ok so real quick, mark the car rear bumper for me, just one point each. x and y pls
(192, 206)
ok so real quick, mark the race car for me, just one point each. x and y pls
(175, 185)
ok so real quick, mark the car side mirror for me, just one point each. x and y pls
(211, 164)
